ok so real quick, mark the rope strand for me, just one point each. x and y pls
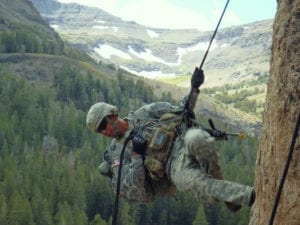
(283, 177)
(203, 60)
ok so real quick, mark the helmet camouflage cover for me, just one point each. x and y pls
(97, 113)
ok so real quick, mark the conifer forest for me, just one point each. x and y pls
(49, 158)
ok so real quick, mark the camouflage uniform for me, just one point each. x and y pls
(192, 165)
(194, 168)
(135, 183)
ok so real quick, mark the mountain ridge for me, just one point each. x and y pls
(39, 65)
(238, 53)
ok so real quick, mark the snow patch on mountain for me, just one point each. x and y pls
(149, 74)
(100, 21)
(153, 34)
(149, 57)
(54, 26)
(115, 29)
(106, 51)
(201, 46)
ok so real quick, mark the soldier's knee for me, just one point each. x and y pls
(198, 137)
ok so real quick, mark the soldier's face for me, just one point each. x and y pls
(109, 130)
(115, 127)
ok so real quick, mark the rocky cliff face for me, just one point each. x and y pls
(281, 111)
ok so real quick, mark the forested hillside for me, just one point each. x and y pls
(49, 159)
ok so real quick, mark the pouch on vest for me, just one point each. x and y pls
(155, 167)
(160, 139)
(160, 145)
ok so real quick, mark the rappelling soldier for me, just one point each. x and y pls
(164, 152)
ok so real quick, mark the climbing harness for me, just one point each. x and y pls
(285, 171)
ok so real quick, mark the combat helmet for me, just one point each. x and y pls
(97, 113)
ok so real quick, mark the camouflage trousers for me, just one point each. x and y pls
(194, 168)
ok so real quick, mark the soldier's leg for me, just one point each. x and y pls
(188, 178)
(188, 175)
(202, 147)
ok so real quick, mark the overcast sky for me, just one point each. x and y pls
(202, 15)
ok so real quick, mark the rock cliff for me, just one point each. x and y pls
(281, 111)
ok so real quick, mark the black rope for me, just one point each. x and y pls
(283, 177)
(214, 34)
(116, 205)
(203, 60)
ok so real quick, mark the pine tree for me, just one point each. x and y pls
(64, 215)
(41, 209)
(79, 216)
(3, 207)
(19, 210)
(200, 218)
(98, 220)
(126, 215)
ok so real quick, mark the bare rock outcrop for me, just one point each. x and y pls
(281, 111)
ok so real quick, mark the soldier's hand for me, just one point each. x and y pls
(197, 78)
(139, 144)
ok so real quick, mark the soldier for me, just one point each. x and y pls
(160, 158)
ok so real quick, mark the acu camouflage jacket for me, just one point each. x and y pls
(136, 184)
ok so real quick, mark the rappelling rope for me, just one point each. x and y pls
(116, 204)
(213, 36)
(283, 177)
(206, 53)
